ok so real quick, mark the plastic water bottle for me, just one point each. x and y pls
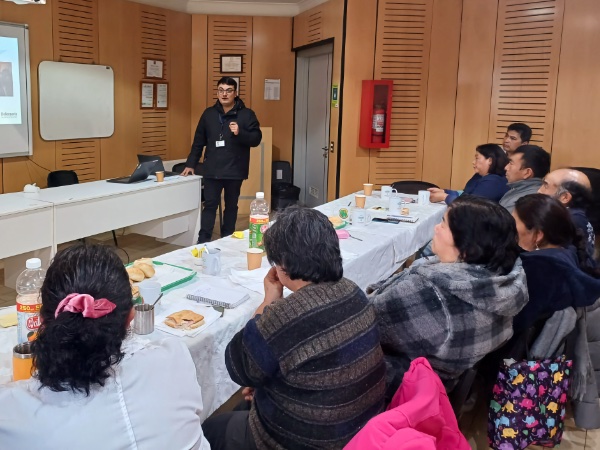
(29, 301)
(259, 220)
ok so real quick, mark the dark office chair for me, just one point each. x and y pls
(412, 187)
(199, 170)
(66, 178)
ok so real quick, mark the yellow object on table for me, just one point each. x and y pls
(238, 234)
(8, 320)
(197, 253)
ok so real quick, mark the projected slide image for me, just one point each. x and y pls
(6, 79)
(10, 89)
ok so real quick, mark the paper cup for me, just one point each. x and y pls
(254, 258)
(360, 200)
(424, 197)
(368, 187)
(160, 176)
(149, 290)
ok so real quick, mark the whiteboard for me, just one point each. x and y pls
(76, 101)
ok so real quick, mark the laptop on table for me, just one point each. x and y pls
(141, 173)
(158, 165)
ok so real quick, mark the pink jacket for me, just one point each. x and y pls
(419, 418)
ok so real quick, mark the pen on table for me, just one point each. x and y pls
(354, 237)
(349, 203)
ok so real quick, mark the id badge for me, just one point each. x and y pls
(220, 143)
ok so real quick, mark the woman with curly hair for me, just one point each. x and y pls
(91, 387)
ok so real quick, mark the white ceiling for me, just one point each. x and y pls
(237, 7)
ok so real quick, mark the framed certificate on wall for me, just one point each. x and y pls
(147, 95)
(154, 68)
(231, 63)
(162, 95)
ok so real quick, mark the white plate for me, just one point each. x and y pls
(210, 317)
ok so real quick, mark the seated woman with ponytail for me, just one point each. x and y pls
(555, 260)
(92, 387)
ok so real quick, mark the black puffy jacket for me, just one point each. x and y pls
(233, 160)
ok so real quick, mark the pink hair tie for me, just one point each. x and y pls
(85, 304)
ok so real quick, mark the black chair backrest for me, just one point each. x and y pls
(62, 178)
(412, 186)
(281, 172)
(593, 212)
(178, 168)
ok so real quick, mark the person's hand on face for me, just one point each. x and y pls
(273, 287)
(233, 126)
(437, 195)
(248, 393)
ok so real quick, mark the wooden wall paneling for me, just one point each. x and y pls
(76, 31)
(473, 96)
(361, 23)
(154, 130)
(273, 58)
(229, 35)
(120, 48)
(16, 172)
(526, 63)
(576, 131)
(76, 25)
(402, 55)
(180, 55)
(199, 70)
(441, 92)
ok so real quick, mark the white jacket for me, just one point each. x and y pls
(153, 402)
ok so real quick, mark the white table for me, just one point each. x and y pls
(168, 211)
(382, 249)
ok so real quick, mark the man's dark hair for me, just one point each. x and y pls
(484, 233)
(581, 196)
(497, 155)
(228, 81)
(523, 129)
(535, 158)
(72, 352)
(304, 243)
(548, 215)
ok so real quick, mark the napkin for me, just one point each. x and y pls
(8, 320)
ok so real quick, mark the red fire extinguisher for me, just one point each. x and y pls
(378, 124)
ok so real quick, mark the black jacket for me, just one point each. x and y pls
(233, 160)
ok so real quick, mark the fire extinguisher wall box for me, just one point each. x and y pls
(375, 113)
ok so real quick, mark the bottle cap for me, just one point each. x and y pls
(33, 263)
(260, 195)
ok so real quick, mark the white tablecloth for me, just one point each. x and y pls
(383, 248)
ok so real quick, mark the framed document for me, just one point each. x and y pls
(154, 68)
(231, 63)
(162, 95)
(147, 95)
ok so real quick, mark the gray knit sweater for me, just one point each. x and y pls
(317, 366)
(519, 189)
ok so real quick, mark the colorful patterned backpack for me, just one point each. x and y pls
(528, 404)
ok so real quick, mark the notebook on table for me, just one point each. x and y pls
(158, 164)
(219, 296)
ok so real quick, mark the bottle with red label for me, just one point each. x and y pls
(259, 220)
(29, 301)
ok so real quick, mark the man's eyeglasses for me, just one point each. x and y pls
(225, 91)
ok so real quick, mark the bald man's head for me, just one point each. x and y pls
(571, 187)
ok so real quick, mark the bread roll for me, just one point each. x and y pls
(143, 261)
(135, 292)
(135, 274)
(147, 269)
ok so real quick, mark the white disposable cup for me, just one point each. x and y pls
(424, 197)
(387, 191)
(395, 205)
(149, 291)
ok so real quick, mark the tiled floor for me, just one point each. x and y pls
(136, 246)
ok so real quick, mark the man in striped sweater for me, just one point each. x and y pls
(313, 358)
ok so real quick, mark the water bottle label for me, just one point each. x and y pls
(28, 321)
(258, 226)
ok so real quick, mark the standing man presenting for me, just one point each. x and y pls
(227, 130)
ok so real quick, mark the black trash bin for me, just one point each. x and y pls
(284, 195)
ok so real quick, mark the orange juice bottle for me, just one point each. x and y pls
(29, 301)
